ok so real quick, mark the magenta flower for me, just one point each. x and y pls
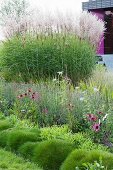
(35, 96)
(91, 117)
(96, 127)
(100, 113)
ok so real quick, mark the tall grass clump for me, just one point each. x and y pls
(51, 44)
(32, 58)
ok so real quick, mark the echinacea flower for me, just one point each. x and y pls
(35, 96)
(96, 127)
(29, 90)
(100, 113)
(25, 94)
(20, 96)
(91, 117)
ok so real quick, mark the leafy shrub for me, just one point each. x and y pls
(50, 154)
(54, 132)
(19, 137)
(80, 140)
(30, 58)
(5, 124)
(78, 157)
(27, 149)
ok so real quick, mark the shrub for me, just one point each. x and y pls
(54, 132)
(80, 140)
(4, 124)
(27, 149)
(30, 58)
(4, 137)
(19, 137)
(78, 157)
(50, 154)
(10, 161)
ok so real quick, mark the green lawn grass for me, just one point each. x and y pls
(9, 161)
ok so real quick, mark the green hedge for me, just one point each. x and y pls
(5, 124)
(51, 154)
(78, 157)
(27, 149)
(18, 137)
(9, 161)
(14, 138)
(30, 58)
(4, 137)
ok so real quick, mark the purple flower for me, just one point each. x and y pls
(91, 117)
(96, 127)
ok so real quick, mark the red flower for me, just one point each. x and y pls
(25, 94)
(96, 127)
(100, 113)
(92, 117)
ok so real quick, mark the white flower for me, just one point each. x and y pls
(77, 88)
(84, 92)
(81, 98)
(23, 111)
(95, 89)
(54, 79)
(60, 73)
(105, 117)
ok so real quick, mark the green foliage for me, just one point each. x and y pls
(9, 161)
(27, 149)
(80, 140)
(19, 137)
(94, 166)
(30, 58)
(50, 154)
(4, 137)
(5, 124)
(78, 157)
(54, 132)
